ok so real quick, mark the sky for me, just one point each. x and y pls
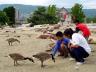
(59, 3)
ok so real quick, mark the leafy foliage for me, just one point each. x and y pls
(89, 20)
(52, 10)
(44, 16)
(77, 13)
(94, 19)
(10, 12)
(3, 18)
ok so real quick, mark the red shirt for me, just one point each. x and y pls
(84, 29)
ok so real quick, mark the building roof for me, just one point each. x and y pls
(63, 9)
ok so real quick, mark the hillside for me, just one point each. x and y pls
(25, 10)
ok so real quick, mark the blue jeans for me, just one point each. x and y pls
(78, 53)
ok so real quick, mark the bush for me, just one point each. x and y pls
(41, 16)
(3, 18)
(77, 13)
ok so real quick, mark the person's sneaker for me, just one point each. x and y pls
(71, 59)
(76, 67)
(79, 63)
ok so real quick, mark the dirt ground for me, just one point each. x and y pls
(29, 46)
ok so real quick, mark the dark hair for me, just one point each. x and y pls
(77, 21)
(77, 30)
(59, 34)
(68, 32)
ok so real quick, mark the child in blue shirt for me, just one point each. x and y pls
(61, 45)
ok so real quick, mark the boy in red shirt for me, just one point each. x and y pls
(82, 27)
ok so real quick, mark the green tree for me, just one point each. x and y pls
(3, 18)
(38, 17)
(43, 16)
(50, 19)
(10, 12)
(77, 13)
(51, 10)
(51, 14)
(94, 19)
(41, 10)
(89, 20)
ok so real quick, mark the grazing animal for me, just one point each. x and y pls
(17, 36)
(44, 31)
(43, 36)
(43, 57)
(51, 29)
(18, 57)
(14, 32)
(56, 26)
(7, 31)
(29, 35)
(11, 40)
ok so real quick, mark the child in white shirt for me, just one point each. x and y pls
(79, 48)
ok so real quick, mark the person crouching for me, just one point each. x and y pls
(79, 48)
(61, 45)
